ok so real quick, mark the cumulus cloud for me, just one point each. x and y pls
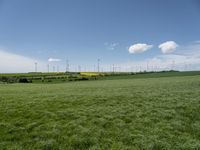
(54, 60)
(13, 63)
(168, 47)
(139, 48)
(187, 58)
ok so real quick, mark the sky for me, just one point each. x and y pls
(127, 35)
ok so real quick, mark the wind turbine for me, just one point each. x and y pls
(35, 66)
(98, 67)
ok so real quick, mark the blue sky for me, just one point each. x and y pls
(84, 30)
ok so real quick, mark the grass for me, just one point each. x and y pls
(117, 114)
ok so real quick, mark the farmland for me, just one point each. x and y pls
(60, 77)
(127, 112)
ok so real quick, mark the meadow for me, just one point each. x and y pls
(117, 113)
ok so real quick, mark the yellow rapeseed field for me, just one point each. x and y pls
(91, 74)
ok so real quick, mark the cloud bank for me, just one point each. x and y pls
(13, 63)
(168, 47)
(139, 48)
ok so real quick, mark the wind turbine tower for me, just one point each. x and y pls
(48, 68)
(67, 66)
(98, 67)
(35, 66)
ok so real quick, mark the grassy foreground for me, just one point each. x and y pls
(121, 114)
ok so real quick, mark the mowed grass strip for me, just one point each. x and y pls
(123, 114)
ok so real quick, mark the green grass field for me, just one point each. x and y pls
(118, 114)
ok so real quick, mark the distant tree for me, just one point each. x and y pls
(23, 80)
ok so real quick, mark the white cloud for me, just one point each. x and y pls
(54, 60)
(13, 63)
(187, 58)
(139, 48)
(111, 46)
(168, 47)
